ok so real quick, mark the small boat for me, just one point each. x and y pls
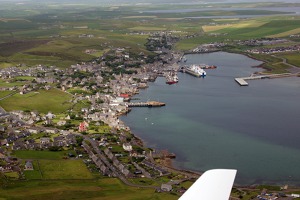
(204, 66)
(172, 78)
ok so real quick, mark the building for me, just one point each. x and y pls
(166, 187)
(28, 165)
(83, 126)
(127, 147)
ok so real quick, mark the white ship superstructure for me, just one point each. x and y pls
(195, 70)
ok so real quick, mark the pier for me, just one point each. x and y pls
(242, 81)
(146, 104)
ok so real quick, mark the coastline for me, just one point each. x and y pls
(167, 163)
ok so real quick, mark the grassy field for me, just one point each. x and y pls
(242, 30)
(35, 173)
(64, 169)
(32, 44)
(8, 83)
(287, 33)
(5, 65)
(104, 189)
(51, 165)
(5, 93)
(292, 58)
(49, 155)
(143, 28)
(208, 28)
(272, 64)
(31, 37)
(234, 25)
(66, 51)
(39, 101)
(12, 175)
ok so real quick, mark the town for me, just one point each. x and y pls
(94, 131)
(60, 118)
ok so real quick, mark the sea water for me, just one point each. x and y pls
(213, 122)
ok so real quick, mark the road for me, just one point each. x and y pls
(294, 69)
(113, 168)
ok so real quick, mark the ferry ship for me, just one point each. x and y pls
(195, 70)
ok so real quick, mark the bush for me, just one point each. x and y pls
(55, 148)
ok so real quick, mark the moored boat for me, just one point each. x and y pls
(195, 70)
(204, 66)
(172, 78)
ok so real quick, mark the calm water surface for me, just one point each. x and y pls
(215, 123)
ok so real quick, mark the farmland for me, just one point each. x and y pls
(32, 37)
(242, 30)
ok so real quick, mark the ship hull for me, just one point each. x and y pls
(171, 82)
(194, 73)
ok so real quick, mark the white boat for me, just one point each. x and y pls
(195, 70)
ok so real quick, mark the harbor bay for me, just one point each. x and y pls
(213, 122)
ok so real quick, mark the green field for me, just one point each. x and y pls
(56, 34)
(35, 173)
(30, 154)
(9, 83)
(292, 58)
(242, 30)
(275, 64)
(40, 38)
(5, 93)
(51, 165)
(143, 28)
(12, 175)
(104, 189)
(39, 101)
(64, 169)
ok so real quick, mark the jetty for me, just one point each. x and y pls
(243, 80)
(146, 104)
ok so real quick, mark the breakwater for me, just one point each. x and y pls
(242, 81)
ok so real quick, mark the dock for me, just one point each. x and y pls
(242, 81)
(146, 104)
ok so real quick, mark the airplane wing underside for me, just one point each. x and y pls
(214, 184)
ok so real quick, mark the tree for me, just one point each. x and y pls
(79, 140)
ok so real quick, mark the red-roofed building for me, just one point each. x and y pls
(83, 126)
(124, 95)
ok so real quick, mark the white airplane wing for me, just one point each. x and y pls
(214, 184)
